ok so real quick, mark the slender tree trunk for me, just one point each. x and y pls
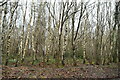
(97, 62)
(64, 46)
(73, 41)
(118, 23)
(3, 31)
(27, 41)
(60, 35)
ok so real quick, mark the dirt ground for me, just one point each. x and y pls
(81, 71)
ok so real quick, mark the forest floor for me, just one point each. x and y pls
(80, 71)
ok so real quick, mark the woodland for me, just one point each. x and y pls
(59, 39)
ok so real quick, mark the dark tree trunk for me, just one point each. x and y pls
(117, 23)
